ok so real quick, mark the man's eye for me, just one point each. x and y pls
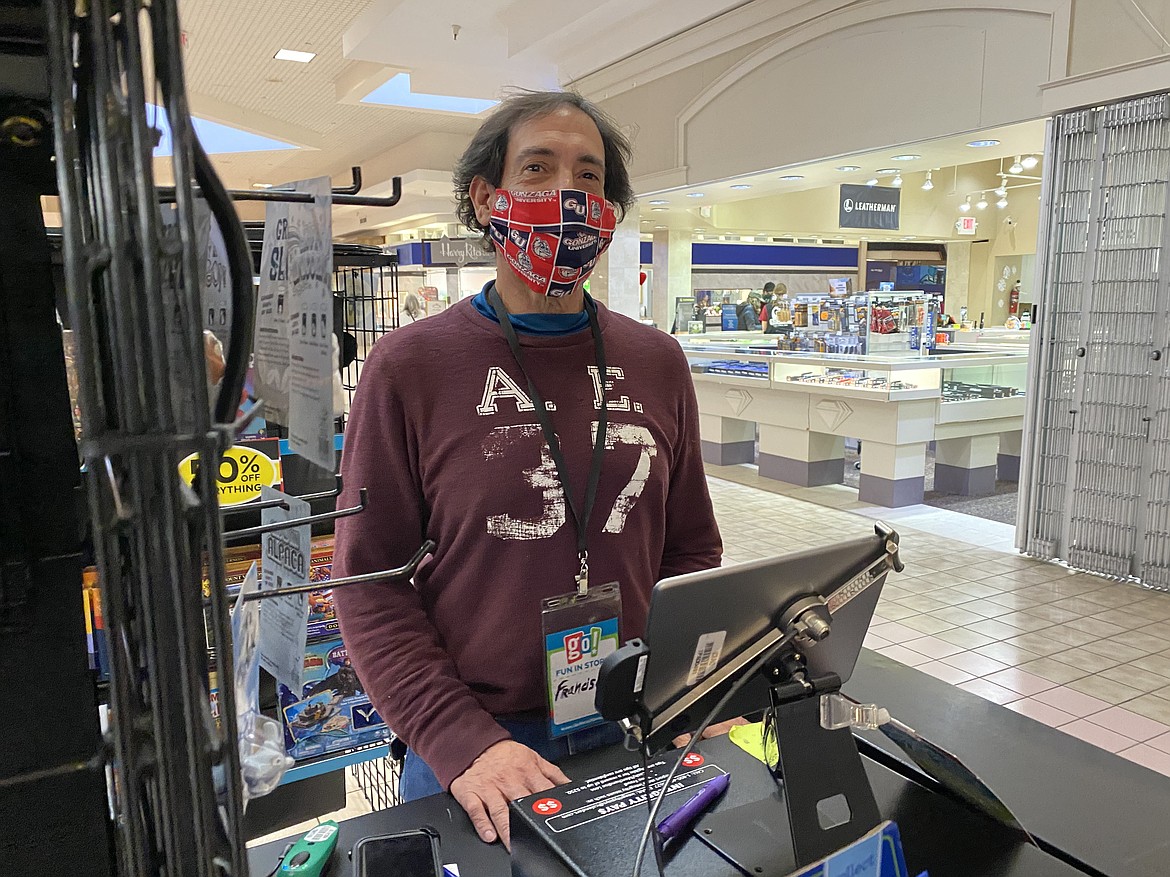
(534, 168)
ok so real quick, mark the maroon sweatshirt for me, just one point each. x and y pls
(445, 439)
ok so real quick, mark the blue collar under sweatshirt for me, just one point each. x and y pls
(534, 324)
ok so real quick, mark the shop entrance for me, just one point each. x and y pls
(863, 320)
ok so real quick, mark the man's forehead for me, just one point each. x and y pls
(566, 119)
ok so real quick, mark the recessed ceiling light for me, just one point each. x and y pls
(886, 170)
(659, 209)
(849, 168)
(982, 144)
(700, 229)
(695, 195)
(906, 156)
(294, 55)
(262, 185)
(660, 228)
(659, 201)
(741, 186)
(789, 178)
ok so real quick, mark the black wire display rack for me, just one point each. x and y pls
(378, 778)
(365, 281)
(78, 127)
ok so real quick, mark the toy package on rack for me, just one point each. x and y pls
(332, 712)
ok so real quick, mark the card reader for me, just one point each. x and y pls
(309, 856)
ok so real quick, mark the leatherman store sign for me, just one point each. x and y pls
(870, 207)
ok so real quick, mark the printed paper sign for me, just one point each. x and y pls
(273, 306)
(215, 280)
(284, 561)
(294, 318)
(310, 281)
(574, 660)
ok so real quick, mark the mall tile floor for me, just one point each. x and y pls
(1073, 651)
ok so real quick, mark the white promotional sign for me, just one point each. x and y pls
(310, 281)
(284, 561)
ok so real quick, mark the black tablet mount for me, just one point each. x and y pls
(823, 792)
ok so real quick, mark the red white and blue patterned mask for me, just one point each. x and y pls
(552, 239)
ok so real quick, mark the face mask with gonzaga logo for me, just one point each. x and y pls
(552, 239)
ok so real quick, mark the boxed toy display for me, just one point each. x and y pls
(331, 712)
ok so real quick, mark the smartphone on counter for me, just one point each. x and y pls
(405, 854)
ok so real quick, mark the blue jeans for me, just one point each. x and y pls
(419, 781)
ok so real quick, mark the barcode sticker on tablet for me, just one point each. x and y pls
(706, 659)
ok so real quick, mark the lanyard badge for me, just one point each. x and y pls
(579, 631)
(580, 628)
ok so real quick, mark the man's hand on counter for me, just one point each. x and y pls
(504, 772)
(712, 731)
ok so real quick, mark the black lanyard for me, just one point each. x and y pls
(580, 516)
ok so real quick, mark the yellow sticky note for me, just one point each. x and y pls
(750, 738)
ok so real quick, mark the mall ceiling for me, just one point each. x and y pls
(463, 48)
(956, 169)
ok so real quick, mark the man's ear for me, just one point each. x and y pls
(482, 192)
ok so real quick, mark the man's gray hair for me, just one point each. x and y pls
(484, 156)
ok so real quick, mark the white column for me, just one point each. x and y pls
(452, 290)
(727, 440)
(672, 275)
(958, 285)
(892, 475)
(614, 281)
(798, 456)
(966, 466)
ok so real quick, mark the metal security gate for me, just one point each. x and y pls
(1097, 472)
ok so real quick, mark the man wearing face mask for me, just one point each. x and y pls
(552, 448)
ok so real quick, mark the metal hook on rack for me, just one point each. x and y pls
(166, 195)
(119, 507)
(248, 532)
(280, 503)
(403, 572)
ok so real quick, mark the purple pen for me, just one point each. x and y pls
(678, 821)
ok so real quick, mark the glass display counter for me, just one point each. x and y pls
(870, 377)
(952, 377)
(792, 411)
